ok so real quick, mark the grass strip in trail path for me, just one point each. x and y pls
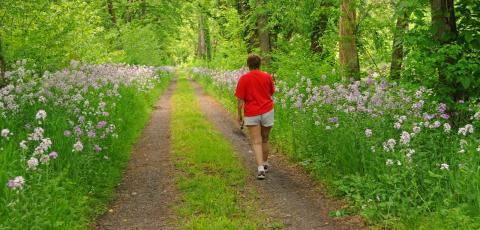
(210, 175)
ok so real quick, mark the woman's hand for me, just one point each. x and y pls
(240, 120)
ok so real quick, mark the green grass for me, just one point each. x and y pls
(211, 177)
(72, 190)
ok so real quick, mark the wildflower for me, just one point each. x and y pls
(91, 133)
(41, 115)
(43, 146)
(16, 183)
(461, 151)
(478, 149)
(418, 105)
(328, 127)
(44, 159)
(404, 138)
(410, 153)
(461, 101)
(81, 119)
(101, 124)
(372, 148)
(67, 133)
(477, 116)
(53, 155)
(23, 145)
(97, 148)
(317, 123)
(32, 163)
(389, 162)
(78, 130)
(78, 146)
(37, 134)
(389, 145)
(445, 116)
(463, 143)
(428, 117)
(444, 166)
(416, 129)
(402, 119)
(333, 120)
(469, 128)
(418, 93)
(399, 163)
(442, 107)
(397, 125)
(368, 132)
(5, 133)
(436, 124)
(447, 128)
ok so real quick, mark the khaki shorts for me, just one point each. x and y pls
(265, 120)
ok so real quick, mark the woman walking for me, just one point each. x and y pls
(255, 110)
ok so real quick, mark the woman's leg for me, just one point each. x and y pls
(256, 141)
(265, 131)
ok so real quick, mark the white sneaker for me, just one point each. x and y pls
(261, 175)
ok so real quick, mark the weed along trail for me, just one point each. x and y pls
(146, 197)
(287, 195)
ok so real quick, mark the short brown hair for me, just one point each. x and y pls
(254, 61)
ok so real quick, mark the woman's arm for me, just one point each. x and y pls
(240, 104)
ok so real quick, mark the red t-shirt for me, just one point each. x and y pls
(256, 89)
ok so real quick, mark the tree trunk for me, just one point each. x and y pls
(397, 54)
(443, 21)
(111, 11)
(263, 33)
(348, 55)
(444, 29)
(202, 43)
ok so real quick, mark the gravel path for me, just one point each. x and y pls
(146, 197)
(288, 194)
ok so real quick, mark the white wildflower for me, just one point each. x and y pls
(41, 115)
(389, 162)
(32, 163)
(444, 166)
(78, 146)
(368, 132)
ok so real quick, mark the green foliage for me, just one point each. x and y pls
(51, 33)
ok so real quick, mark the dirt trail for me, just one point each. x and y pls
(148, 191)
(288, 194)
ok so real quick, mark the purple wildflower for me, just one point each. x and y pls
(53, 155)
(333, 120)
